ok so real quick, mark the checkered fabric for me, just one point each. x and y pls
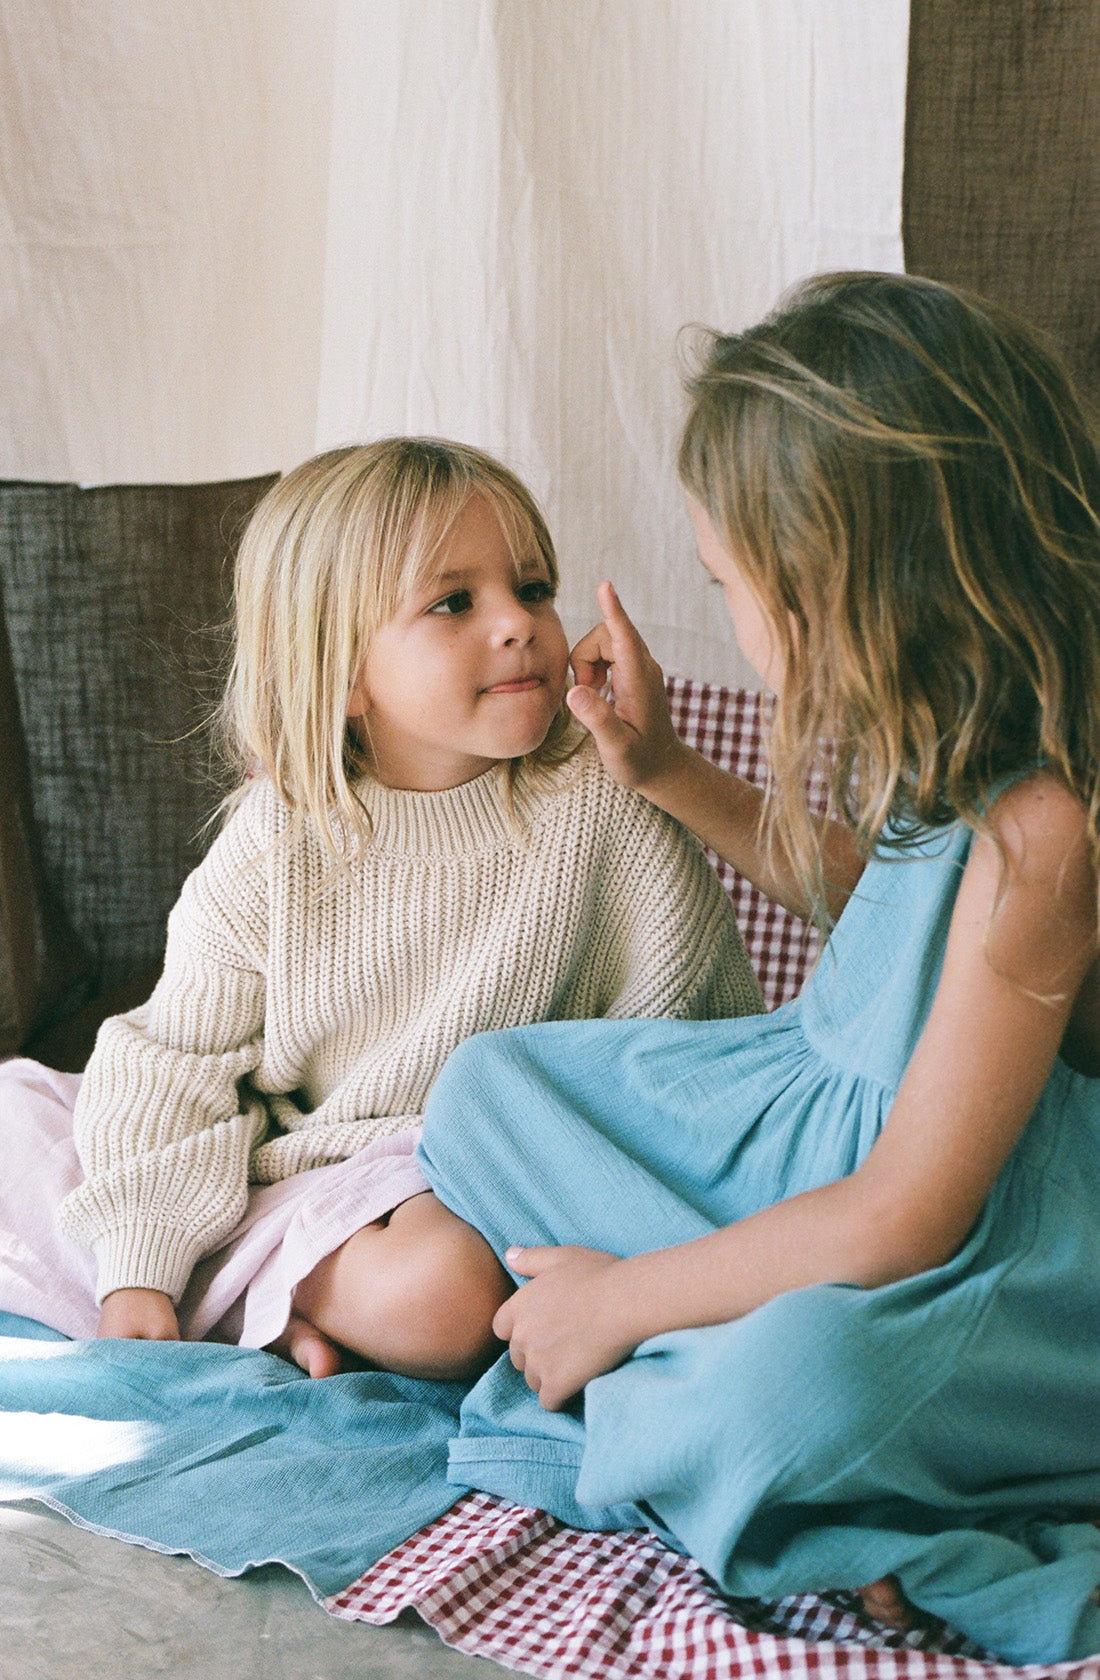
(508, 1583)
(728, 726)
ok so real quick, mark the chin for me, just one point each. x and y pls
(526, 741)
(521, 749)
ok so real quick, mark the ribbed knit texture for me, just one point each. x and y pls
(303, 1012)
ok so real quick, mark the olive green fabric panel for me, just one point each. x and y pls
(1002, 161)
(117, 602)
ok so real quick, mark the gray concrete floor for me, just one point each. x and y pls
(78, 1606)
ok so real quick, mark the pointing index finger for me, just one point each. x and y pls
(627, 648)
(614, 613)
(623, 631)
(613, 641)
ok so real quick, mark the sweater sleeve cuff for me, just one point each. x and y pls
(146, 1257)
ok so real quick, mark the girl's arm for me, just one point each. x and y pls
(1021, 942)
(640, 749)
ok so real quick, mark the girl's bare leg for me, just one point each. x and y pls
(414, 1293)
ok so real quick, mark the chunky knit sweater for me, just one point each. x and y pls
(304, 1011)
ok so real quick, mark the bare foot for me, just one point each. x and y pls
(884, 1602)
(303, 1344)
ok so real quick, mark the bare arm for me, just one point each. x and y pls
(973, 1081)
(640, 749)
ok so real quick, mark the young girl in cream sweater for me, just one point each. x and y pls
(420, 849)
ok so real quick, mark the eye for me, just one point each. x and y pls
(451, 605)
(536, 590)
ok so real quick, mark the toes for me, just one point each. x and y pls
(318, 1356)
(303, 1345)
(884, 1602)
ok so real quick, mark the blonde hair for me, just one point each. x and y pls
(327, 558)
(912, 488)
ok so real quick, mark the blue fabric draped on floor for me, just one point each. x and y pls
(229, 1455)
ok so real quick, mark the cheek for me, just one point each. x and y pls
(755, 636)
(557, 646)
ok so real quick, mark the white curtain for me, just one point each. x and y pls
(236, 230)
(162, 228)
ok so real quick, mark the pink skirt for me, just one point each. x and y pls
(242, 1291)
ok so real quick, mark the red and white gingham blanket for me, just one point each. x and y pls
(501, 1581)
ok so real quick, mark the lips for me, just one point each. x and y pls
(515, 685)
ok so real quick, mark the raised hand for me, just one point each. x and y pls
(633, 731)
(565, 1326)
(143, 1315)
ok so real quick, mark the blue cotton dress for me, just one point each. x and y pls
(945, 1428)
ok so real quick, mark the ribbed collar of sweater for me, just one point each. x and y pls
(475, 817)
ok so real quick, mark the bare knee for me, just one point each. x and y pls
(446, 1285)
(416, 1295)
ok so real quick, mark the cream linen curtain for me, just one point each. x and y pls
(236, 230)
(162, 223)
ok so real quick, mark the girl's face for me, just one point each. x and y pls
(472, 668)
(755, 633)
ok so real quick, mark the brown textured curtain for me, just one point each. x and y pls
(1002, 161)
(115, 599)
(40, 961)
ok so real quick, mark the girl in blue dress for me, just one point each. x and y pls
(816, 1295)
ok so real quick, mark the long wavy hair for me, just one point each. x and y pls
(327, 558)
(912, 487)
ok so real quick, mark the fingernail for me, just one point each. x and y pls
(579, 699)
(511, 1254)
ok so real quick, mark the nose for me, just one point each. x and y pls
(514, 624)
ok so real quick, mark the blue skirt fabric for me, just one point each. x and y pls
(945, 1428)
